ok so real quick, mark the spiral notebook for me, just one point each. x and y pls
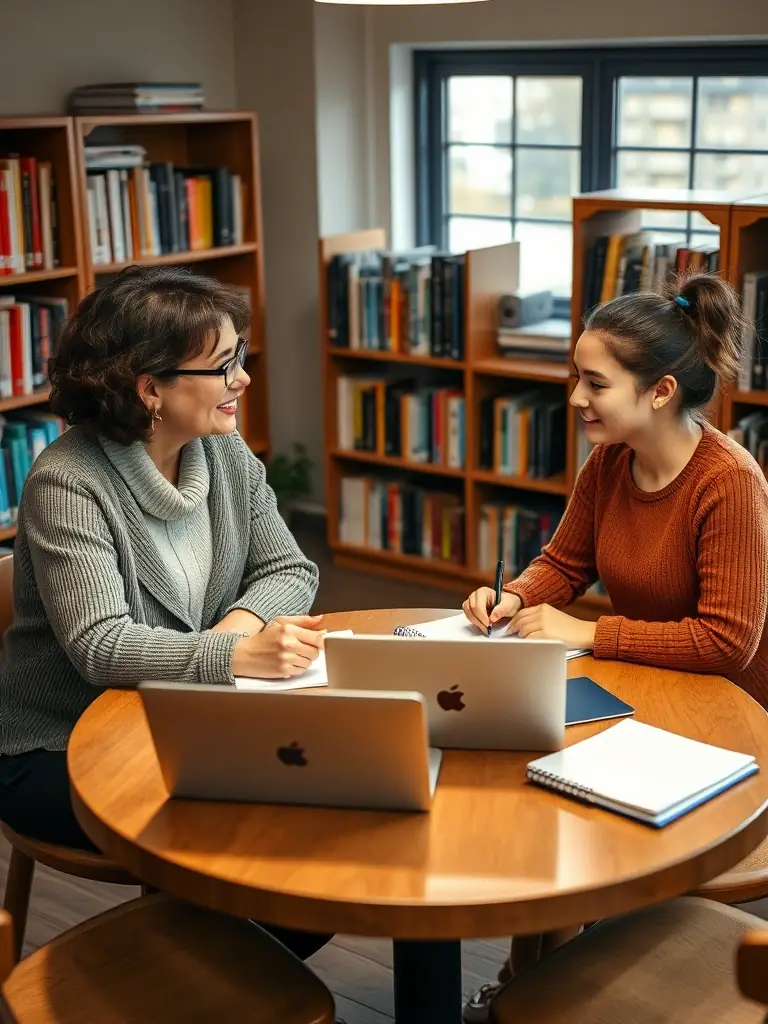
(642, 772)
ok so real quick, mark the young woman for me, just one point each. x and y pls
(668, 512)
(149, 545)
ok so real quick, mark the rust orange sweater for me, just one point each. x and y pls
(686, 567)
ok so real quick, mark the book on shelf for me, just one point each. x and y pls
(754, 352)
(515, 532)
(409, 303)
(402, 420)
(751, 432)
(401, 518)
(29, 238)
(158, 208)
(550, 339)
(621, 263)
(29, 330)
(23, 435)
(523, 435)
(136, 97)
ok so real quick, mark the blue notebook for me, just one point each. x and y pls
(645, 773)
(585, 701)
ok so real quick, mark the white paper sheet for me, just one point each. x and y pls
(316, 675)
(458, 627)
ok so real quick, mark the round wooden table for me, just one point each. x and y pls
(494, 856)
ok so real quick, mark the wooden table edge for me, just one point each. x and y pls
(402, 920)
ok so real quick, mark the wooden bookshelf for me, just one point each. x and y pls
(201, 139)
(742, 224)
(198, 139)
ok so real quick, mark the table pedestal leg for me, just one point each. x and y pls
(427, 982)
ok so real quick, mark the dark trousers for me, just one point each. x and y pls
(35, 801)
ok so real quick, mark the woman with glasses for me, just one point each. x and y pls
(149, 545)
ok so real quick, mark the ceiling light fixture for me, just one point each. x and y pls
(399, 3)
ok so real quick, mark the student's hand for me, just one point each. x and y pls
(543, 622)
(286, 647)
(480, 611)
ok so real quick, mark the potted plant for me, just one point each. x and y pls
(290, 477)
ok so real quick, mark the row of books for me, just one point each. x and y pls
(523, 435)
(397, 302)
(754, 351)
(516, 533)
(402, 518)
(23, 435)
(621, 263)
(751, 431)
(29, 329)
(29, 238)
(160, 208)
(401, 420)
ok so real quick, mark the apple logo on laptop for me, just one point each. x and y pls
(450, 700)
(292, 755)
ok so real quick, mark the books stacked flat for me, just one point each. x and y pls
(136, 98)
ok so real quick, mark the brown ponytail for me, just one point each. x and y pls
(692, 331)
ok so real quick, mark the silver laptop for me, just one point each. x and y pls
(337, 749)
(481, 696)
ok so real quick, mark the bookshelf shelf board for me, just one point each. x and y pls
(33, 276)
(750, 397)
(656, 199)
(412, 561)
(524, 369)
(8, 534)
(20, 401)
(87, 122)
(545, 485)
(404, 464)
(394, 357)
(192, 256)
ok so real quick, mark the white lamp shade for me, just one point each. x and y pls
(399, 3)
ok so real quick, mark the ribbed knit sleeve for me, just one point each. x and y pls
(79, 582)
(278, 579)
(566, 566)
(732, 555)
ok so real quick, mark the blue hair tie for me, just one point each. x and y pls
(684, 303)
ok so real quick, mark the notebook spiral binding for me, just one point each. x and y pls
(408, 631)
(555, 782)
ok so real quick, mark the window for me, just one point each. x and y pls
(507, 138)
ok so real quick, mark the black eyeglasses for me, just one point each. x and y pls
(228, 370)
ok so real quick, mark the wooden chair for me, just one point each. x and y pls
(748, 880)
(672, 962)
(161, 960)
(26, 852)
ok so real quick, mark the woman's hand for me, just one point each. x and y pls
(479, 607)
(543, 622)
(286, 647)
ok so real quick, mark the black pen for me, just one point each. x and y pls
(499, 586)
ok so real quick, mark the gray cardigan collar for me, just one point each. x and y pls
(154, 494)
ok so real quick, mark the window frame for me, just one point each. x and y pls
(600, 68)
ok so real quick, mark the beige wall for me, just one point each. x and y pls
(47, 47)
(275, 61)
(342, 35)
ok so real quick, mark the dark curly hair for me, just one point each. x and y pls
(146, 320)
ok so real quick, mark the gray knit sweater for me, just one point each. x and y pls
(177, 518)
(94, 604)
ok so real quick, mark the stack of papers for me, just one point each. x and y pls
(458, 627)
(316, 675)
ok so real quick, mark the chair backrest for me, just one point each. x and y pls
(6, 593)
(7, 960)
